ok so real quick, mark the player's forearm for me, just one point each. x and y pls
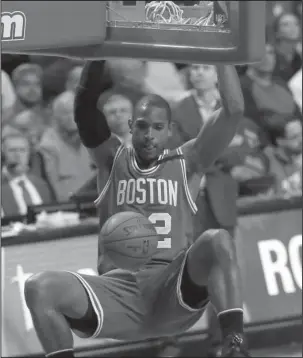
(91, 122)
(230, 91)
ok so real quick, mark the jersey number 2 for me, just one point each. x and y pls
(164, 229)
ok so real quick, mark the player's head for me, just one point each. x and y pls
(150, 127)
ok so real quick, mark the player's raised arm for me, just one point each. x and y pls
(91, 122)
(219, 130)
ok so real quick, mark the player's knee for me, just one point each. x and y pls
(39, 288)
(221, 244)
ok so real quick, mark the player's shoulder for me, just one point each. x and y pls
(106, 152)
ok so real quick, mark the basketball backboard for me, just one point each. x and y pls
(39, 25)
(179, 31)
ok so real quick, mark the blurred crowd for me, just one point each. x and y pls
(43, 160)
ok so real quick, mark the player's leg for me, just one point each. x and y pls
(205, 220)
(91, 306)
(211, 264)
(52, 297)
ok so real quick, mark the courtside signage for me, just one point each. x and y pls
(13, 26)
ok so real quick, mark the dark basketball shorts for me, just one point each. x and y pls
(149, 303)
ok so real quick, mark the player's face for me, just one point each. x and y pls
(16, 154)
(150, 133)
(289, 28)
(203, 77)
(29, 89)
(118, 111)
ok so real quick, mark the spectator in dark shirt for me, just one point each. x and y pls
(285, 158)
(20, 188)
(287, 36)
(253, 175)
(268, 101)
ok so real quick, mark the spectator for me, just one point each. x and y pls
(285, 158)
(27, 79)
(295, 85)
(253, 174)
(73, 78)
(118, 111)
(67, 162)
(129, 76)
(8, 96)
(55, 74)
(287, 36)
(197, 105)
(29, 123)
(20, 188)
(164, 79)
(268, 101)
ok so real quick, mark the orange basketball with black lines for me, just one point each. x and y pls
(129, 240)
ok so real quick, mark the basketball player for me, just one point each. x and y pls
(170, 293)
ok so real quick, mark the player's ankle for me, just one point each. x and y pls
(231, 321)
(64, 353)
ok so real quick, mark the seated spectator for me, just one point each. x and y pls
(67, 162)
(73, 78)
(8, 96)
(30, 124)
(198, 105)
(19, 187)
(27, 79)
(285, 158)
(55, 73)
(129, 76)
(287, 37)
(164, 79)
(268, 102)
(253, 174)
(295, 85)
(118, 111)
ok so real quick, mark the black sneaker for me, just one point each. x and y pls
(234, 346)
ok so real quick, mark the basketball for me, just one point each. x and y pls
(129, 239)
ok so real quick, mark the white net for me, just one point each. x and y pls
(167, 12)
